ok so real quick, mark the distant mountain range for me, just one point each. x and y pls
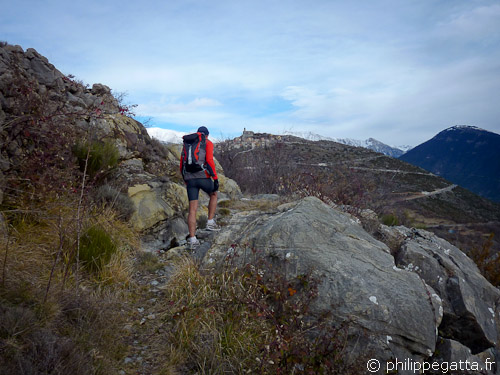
(173, 136)
(465, 155)
(370, 143)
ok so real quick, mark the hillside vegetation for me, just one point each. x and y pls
(66, 247)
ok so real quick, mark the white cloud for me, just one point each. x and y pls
(477, 23)
(172, 110)
(373, 68)
(193, 105)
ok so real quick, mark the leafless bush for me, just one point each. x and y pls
(275, 169)
(108, 195)
(81, 328)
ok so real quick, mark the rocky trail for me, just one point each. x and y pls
(146, 333)
(146, 330)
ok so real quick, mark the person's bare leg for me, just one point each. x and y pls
(193, 206)
(212, 205)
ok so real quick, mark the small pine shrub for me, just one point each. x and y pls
(101, 156)
(390, 220)
(224, 212)
(96, 248)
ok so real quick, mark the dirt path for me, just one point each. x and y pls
(144, 328)
(146, 336)
(423, 194)
(396, 171)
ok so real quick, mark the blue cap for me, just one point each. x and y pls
(203, 129)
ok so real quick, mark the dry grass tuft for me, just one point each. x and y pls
(247, 319)
(56, 317)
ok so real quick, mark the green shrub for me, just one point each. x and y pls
(102, 156)
(224, 212)
(96, 248)
(390, 220)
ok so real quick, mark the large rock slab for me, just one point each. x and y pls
(155, 204)
(470, 302)
(359, 280)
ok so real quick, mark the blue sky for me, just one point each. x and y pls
(398, 71)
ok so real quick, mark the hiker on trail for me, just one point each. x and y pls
(198, 170)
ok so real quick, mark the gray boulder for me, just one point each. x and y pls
(470, 302)
(453, 355)
(359, 280)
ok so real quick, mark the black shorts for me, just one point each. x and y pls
(193, 187)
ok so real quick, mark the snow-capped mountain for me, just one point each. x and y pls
(309, 136)
(166, 135)
(171, 136)
(369, 143)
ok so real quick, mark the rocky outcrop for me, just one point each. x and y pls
(358, 274)
(470, 302)
(398, 308)
(42, 109)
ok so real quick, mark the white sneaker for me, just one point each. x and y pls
(193, 242)
(212, 225)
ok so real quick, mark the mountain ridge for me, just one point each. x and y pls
(466, 155)
(370, 143)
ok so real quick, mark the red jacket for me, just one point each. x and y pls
(209, 159)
